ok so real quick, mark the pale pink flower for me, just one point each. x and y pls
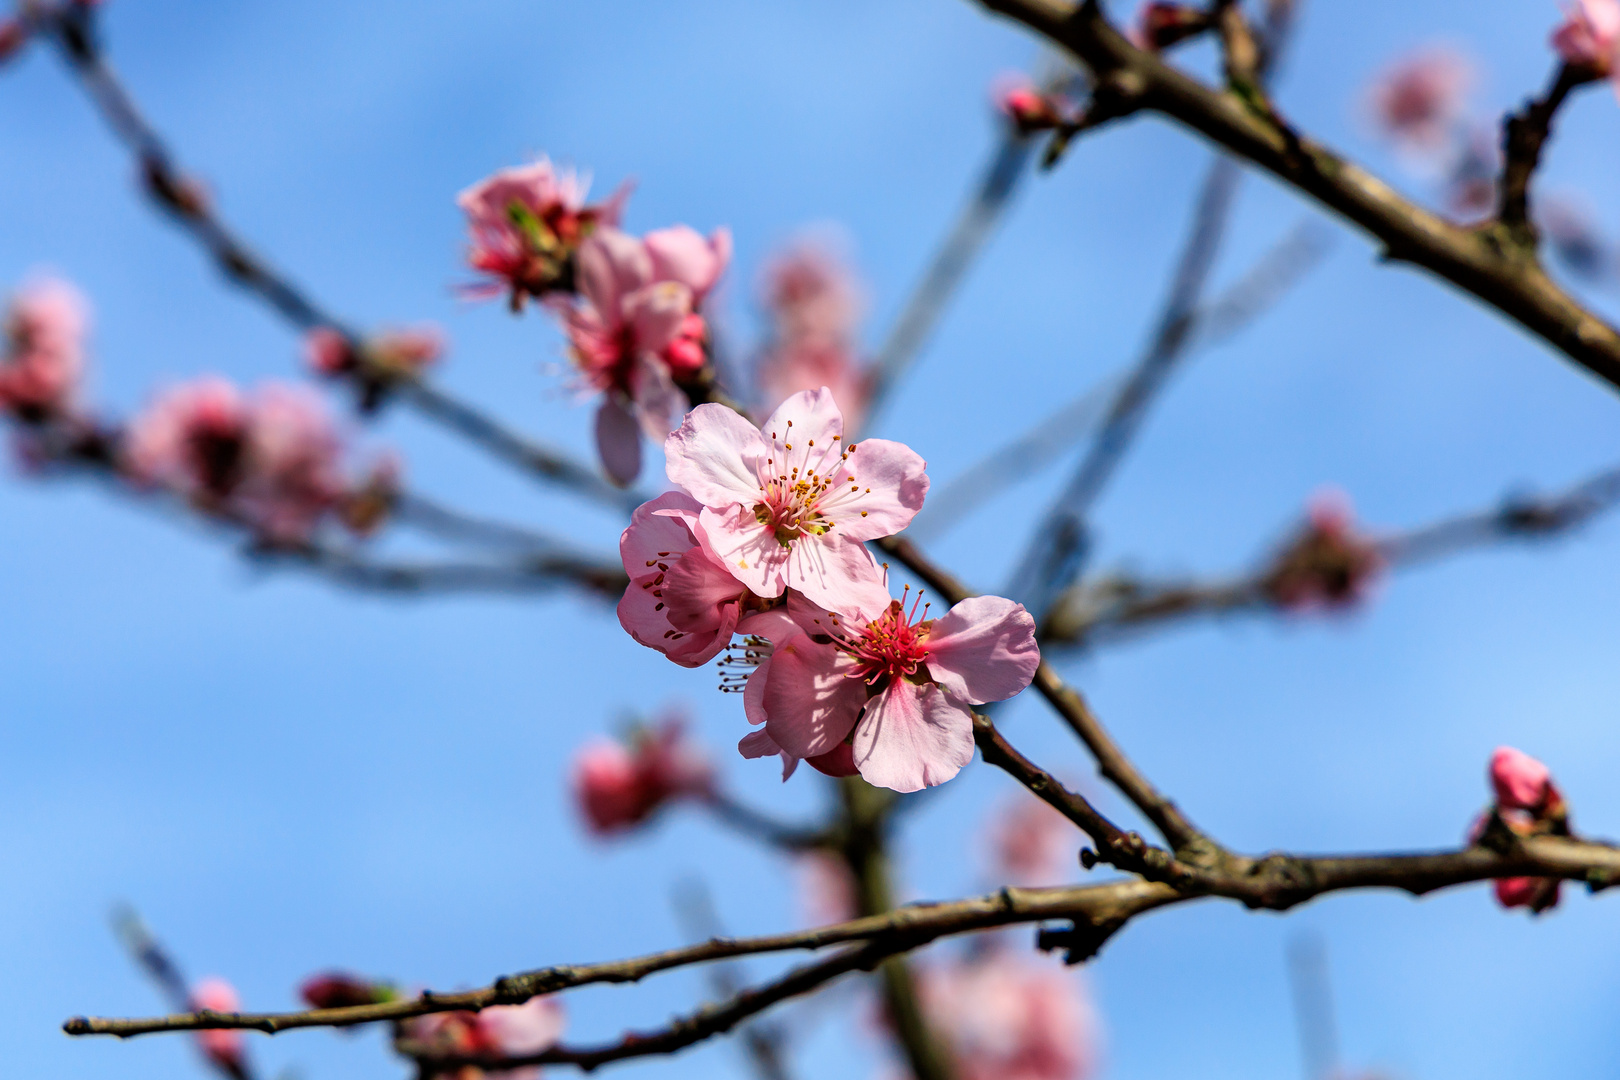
(1418, 100)
(1011, 1016)
(625, 333)
(225, 1048)
(681, 600)
(1031, 844)
(787, 504)
(525, 224)
(814, 302)
(795, 365)
(498, 1031)
(619, 786)
(294, 456)
(44, 360)
(681, 254)
(898, 688)
(826, 888)
(192, 440)
(1589, 36)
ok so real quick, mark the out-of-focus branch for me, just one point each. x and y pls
(1112, 763)
(1114, 607)
(519, 574)
(750, 822)
(73, 27)
(450, 524)
(1524, 134)
(1495, 268)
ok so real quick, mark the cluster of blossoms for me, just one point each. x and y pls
(1008, 1015)
(271, 460)
(1329, 564)
(619, 785)
(631, 306)
(1528, 803)
(814, 303)
(764, 538)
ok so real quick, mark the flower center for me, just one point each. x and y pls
(893, 645)
(791, 494)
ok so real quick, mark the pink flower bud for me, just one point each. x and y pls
(43, 366)
(618, 787)
(1417, 101)
(339, 990)
(1028, 108)
(1589, 36)
(1328, 563)
(223, 1047)
(685, 353)
(327, 351)
(1521, 782)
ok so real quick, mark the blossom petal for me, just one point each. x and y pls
(913, 737)
(681, 254)
(655, 534)
(852, 588)
(644, 617)
(877, 491)
(810, 703)
(656, 313)
(618, 440)
(658, 400)
(716, 457)
(984, 649)
(609, 265)
(701, 597)
(749, 551)
(757, 744)
(806, 417)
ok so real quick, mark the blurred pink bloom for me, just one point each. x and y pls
(1512, 892)
(406, 352)
(1523, 783)
(1329, 563)
(814, 303)
(44, 360)
(681, 599)
(525, 224)
(1589, 36)
(1019, 99)
(826, 888)
(1418, 100)
(1031, 844)
(624, 333)
(327, 351)
(224, 1048)
(1011, 1016)
(681, 254)
(781, 511)
(899, 689)
(271, 461)
(618, 786)
(498, 1031)
(341, 990)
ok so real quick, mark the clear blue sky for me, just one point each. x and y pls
(283, 777)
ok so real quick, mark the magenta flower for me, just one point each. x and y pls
(681, 600)
(1009, 1016)
(897, 688)
(1589, 37)
(1523, 783)
(619, 786)
(788, 504)
(225, 1048)
(44, 360)
(1024, 104)
(526, 223)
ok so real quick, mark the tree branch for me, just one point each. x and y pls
(1498, 270)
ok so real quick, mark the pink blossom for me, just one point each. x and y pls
(271, 461)
(222, 1046)
(626, 333)
(1329, 563)
(681, 600)
(328, 351)
(814, 303)
(681, 254)
(1589, 36)
(618, 786)
(498, 1031)
(1010, 1016)
(1028, 108)
(898, 688)
(407, 352)
(525, 224)
(44, 361)
(826, 888)
(1418, 100)
(1522, 783)
(1031, 844)
(788, 504)
(341, 990)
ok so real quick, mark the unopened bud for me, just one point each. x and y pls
(340, 990)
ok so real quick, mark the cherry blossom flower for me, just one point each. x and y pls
(192, 440)
(294, 456)
(1589, 37)
(1528, 803)
(898, 688)
(629, 335)
(526, 223)
(1523, 783)
(225, 1048)
(1329, 563)
(1031, 844)
(341, 990)
(814, 303)
(618, 787)
(681, 599)
(1418, 101)
(1010, 1016)
(683, 255)
(787, 504)
(498, 1031)
(44, 359)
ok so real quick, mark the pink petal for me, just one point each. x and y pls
(618, 440)
(645, 618)
(700, 597)
(747, 549)
(883, 486)
(984, 649)
(839, 574)
(758, 744)
(808, 416)
(810, 704)
(1520, 780)
(608, 266)
(716, 456)
(912, 737)
(659, 402)
(680, 254)
(656, 314)
(655, 533)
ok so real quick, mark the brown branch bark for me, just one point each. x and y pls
(1488, 262)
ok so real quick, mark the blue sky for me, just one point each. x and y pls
(284, 777)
